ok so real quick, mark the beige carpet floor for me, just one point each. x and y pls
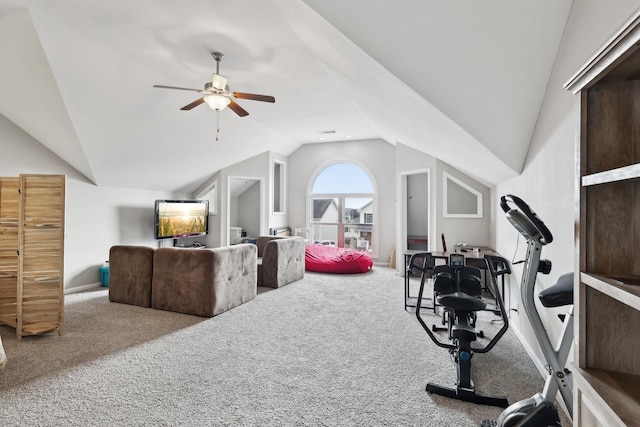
(328, 350)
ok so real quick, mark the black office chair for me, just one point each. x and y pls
(497, 267)
(420, 265)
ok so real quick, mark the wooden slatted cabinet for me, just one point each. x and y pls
(32, 211)
(607, 292)
(9, 248)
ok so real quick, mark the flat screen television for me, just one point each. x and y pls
(176, 219)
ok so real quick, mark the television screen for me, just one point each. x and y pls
(175, 219)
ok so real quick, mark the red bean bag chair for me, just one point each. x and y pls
(331, 259)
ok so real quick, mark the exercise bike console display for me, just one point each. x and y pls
(456, 260)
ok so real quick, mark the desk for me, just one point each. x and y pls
(472, 259)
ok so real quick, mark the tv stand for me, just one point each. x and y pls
(192, 246)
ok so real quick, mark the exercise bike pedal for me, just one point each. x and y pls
(544, 414)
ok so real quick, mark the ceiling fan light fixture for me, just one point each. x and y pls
(219, 82)
(217, 102)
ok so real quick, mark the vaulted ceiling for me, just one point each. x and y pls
(461, 80)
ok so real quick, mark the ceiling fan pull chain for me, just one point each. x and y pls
(217, 125)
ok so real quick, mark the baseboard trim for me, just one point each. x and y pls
(380, 264)
(83, 288)
(539, 364)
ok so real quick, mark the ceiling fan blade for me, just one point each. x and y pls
(193, 104)
(179, 88)
(254, 97)
(237, 109)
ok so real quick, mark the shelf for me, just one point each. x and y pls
(613, 175)
(624, 289)
(616, 395)
(39, 328)
(9, 319)
(607, 351)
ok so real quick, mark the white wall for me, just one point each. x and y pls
(547, 180)
(469, 230)
(249, 210)
(475, 231)
(211, 190)
(96, 217)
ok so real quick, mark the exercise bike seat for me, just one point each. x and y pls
(561, 293)
(459, 301)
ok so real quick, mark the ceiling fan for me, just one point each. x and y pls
(216, 93)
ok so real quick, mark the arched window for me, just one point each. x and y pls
(342, 207)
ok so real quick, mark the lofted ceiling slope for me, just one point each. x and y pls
(462, 81)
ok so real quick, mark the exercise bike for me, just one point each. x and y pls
(457, 290)
(540, 409)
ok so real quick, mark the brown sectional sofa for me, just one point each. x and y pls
(280, 260)
(203, 282)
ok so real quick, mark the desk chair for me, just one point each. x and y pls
(497, 267)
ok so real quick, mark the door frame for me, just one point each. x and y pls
(404, 210)
(260, 182)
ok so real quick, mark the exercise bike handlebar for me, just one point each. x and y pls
(525, 220)
(433, 337)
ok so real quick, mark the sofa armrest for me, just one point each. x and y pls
(262, 241)
(282, 262)
(130, 274)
